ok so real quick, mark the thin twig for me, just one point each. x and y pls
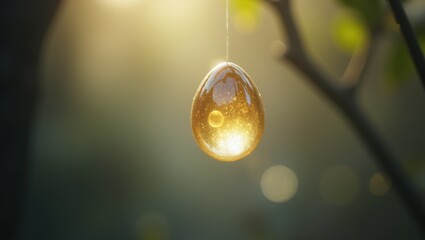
(346, 103)
(409, 37)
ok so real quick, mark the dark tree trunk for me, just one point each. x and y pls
(23, 26)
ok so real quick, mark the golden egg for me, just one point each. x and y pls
(227, 113)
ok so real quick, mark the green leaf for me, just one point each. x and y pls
(369, 10)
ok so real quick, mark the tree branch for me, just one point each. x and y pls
(296, 53)
(346, 103)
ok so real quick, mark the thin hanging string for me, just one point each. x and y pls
(227, 32)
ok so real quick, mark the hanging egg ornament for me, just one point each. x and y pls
(227, 116)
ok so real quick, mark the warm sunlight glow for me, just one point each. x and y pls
(279, 184)
(233, 143)
(227, 114)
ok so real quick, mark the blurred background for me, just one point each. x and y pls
(113, 157)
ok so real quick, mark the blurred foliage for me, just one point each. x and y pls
(369, 10)
(245, 5)
(247, 14)
(399, 66)
(349, 32)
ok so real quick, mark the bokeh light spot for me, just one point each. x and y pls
(279, 184)
(379, 185)
(339, 185)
